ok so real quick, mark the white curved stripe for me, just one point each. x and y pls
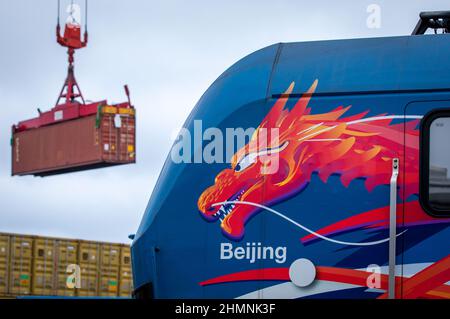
(377, 118)
(288, 290)
(317, 133)
(310, 128)
(369, 119)
(370, 243)
(323, 139)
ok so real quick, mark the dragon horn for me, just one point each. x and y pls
(272, 117)
(300, 107)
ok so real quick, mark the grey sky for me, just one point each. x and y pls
(168, 52)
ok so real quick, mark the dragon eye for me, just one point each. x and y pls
(250, 159)
(245, 162)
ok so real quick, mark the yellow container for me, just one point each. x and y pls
(109, 280)
(43, 280)
(21, 247)
(89, 286)
(19, 277)
(125, 272)
(110, 254)
(66, 254)
(44, 284)
(109, 286)
(126, 280)
(43, 266)
(44, 249)
(62, 289)
(4, 264)
(20, 283)
(109, 269)
(125, 287)
(125, 255)
(89, 258)
(89, 262)
(38, 266)
(3, 282)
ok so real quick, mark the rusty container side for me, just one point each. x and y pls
(127, 138)
(56, 147)
(109, 138)
(118, 135)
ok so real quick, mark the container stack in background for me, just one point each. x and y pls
(34, 265)
(126, 280)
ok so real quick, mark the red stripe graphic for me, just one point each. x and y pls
(428, 283)
(378, 218)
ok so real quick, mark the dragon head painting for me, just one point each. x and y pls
(353, 146)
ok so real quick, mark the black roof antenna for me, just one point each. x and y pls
(433, 20)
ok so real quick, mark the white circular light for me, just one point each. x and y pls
(302, 272)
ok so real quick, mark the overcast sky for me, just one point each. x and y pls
(168, 52)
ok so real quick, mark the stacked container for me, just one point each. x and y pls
(109, 268)
(88, 258)
(4, 263)
(20, 265)
(126, 281)
(43, 279)
(66, 254)
(32, 265)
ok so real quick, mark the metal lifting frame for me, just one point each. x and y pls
(72, 40)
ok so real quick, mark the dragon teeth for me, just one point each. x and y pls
(226, 209)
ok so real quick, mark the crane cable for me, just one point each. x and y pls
(73, 19)
(57, 19)
(85, 15)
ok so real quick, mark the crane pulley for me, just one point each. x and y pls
(71, 39)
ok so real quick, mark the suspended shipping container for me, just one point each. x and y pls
(104, 138)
